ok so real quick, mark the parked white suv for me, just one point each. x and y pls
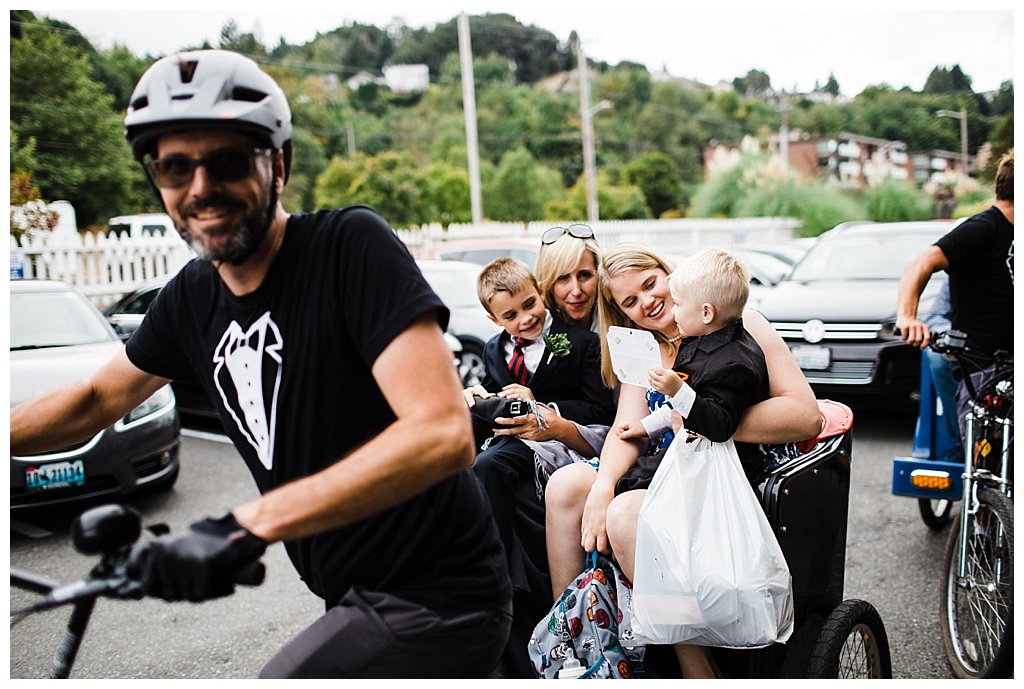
(135, 225)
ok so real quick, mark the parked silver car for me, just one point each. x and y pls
(455, 283)
(58, 337)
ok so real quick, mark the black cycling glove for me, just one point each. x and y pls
(204, 562)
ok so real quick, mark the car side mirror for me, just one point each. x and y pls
(121, 334)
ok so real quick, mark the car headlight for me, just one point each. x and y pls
(157, 401)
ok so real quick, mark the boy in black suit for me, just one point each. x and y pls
(546, 364)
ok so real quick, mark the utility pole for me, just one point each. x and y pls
(589, 157)
(469, 107)
(962, 116)
(784, 135)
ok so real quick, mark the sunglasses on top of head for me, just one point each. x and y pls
(223, 165)
(577, 230)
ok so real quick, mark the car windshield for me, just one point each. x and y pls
(455, 286)
(54, 319)
(875, 257)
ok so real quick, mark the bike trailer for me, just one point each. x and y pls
(929, 479)
(806, 500)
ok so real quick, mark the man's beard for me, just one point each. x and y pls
(245, 237)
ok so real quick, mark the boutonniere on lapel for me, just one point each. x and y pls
(559, 345)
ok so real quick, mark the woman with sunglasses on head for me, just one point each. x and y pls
(584, 508)
(567, 272)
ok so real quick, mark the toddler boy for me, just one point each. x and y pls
(719, 369)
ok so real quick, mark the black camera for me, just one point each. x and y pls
(515, 408)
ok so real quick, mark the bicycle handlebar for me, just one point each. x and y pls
(111, 531)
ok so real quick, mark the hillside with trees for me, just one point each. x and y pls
(406, 154)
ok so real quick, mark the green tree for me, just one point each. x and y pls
(614, 202)
(245, 42)
(942, 80)
(1002, 104)
(656, 177)
(755, 83)
(831, 86)
(520, 188)
(80, 147)
(308, 162)
(447, 193)
(385, 182)
(119, 70)
(1002, 142)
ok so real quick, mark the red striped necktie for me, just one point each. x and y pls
(517, 364)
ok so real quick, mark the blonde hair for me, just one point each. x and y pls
(503, 275)
(561, 258)
(713, 277)
(624, 257)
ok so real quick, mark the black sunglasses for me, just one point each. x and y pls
(224, 165)
(577, 230)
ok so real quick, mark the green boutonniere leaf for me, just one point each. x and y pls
(559, 345)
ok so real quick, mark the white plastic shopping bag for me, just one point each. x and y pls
(709, 570)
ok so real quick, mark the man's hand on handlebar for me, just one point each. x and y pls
(202, 563)
(912, 331)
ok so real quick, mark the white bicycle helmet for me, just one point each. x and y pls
(206, 89)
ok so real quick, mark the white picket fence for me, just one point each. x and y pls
(105, 267)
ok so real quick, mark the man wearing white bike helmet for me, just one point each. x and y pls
(321, 345)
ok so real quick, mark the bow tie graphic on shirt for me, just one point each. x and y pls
(517, 364)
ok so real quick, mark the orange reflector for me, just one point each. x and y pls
(932, 480)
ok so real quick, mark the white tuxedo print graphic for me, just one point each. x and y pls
(247, 374)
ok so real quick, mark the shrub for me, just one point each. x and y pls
(819, 208)
(897, 201)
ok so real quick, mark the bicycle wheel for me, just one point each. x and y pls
(977, 610)
(852, 644)
(935, 513)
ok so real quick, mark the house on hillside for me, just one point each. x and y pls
(407, 78)
(361, 78)
(853, 160)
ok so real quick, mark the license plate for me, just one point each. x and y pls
(55, 475)
(812, 357)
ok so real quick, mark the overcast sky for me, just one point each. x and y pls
(796, 47)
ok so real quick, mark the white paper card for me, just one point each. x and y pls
(633, 352)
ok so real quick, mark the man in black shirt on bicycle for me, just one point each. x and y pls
(321, 345)
(978, 256)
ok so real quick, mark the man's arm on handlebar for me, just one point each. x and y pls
(912, 283)
(78, 411)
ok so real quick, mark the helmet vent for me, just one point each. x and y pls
(140, 103)
(246, 94)
(188, 70)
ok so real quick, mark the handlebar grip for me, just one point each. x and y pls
(251, 575)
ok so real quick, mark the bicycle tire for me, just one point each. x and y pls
(969, 610)
(852, 644)
(936, 514)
